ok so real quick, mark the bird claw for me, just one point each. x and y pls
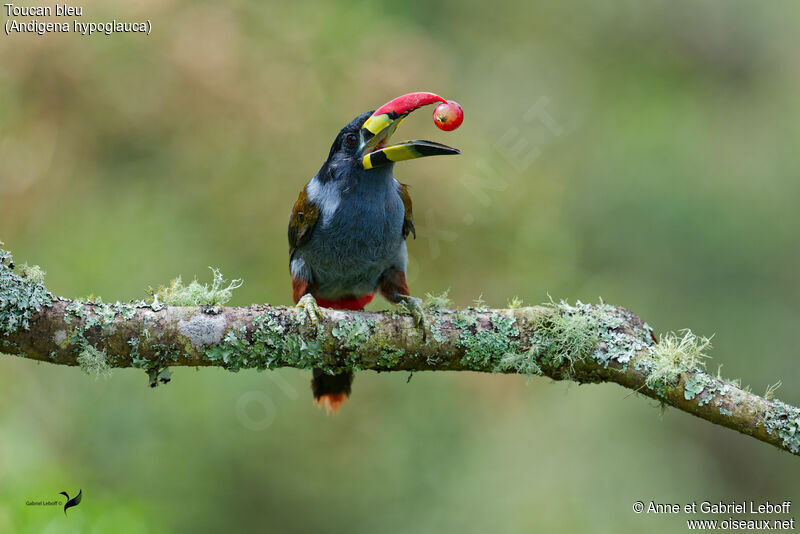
(308, 303)
(413, 305)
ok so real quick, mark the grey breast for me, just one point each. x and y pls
(358, 235)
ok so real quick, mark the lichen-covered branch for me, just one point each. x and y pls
(584, 343)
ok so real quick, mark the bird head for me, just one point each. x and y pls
(364, 144)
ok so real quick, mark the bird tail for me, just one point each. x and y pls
(330, 391)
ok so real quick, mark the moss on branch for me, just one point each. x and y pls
(580, 342)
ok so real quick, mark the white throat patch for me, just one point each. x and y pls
(326, 196)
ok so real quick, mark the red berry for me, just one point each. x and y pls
(448, 116)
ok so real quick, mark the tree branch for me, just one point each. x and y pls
(584, 343)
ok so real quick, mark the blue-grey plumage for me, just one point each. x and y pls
(357, 232)
(348, 229)
(358, 236)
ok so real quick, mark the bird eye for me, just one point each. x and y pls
(351, 139)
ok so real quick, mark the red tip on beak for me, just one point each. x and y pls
(402, 105)
(380, 126)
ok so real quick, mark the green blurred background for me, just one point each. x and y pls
(644, 153)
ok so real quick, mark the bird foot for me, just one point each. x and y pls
(309, 304)
(413, 305)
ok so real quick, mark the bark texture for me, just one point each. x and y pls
(584, 343)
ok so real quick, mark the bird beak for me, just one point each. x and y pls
(379, 127)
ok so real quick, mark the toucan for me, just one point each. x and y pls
(348, 228)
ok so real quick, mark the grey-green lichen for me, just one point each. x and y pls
(74, 309)
(680, 356)
(157, 374)
(230, 353)
(353, 332)
(270, 345)
(435, 325)
(479, 304)
(390, 357)
(94, 362)
(196, 294)
(620, 340)
(486, 345)
(674, 355)
(515, 303)
(568, 335)
(276, 339)
(157, 368)
(523, 363)
(435, 302)
(203, 329)
(572, 332)
(784, 420)
(771, 389)
(60, 338)
(93, 314)
(20, 297)
(99, 313)
(702, 387)
(136, 358)
(32, 273)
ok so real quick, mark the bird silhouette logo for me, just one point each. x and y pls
(75, 501)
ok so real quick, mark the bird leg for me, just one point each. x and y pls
(394, 287)
(308, 303)
(413, 305)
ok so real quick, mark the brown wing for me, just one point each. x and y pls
(408, 220)
(301, 222)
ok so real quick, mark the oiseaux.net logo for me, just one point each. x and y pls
(69, 503)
